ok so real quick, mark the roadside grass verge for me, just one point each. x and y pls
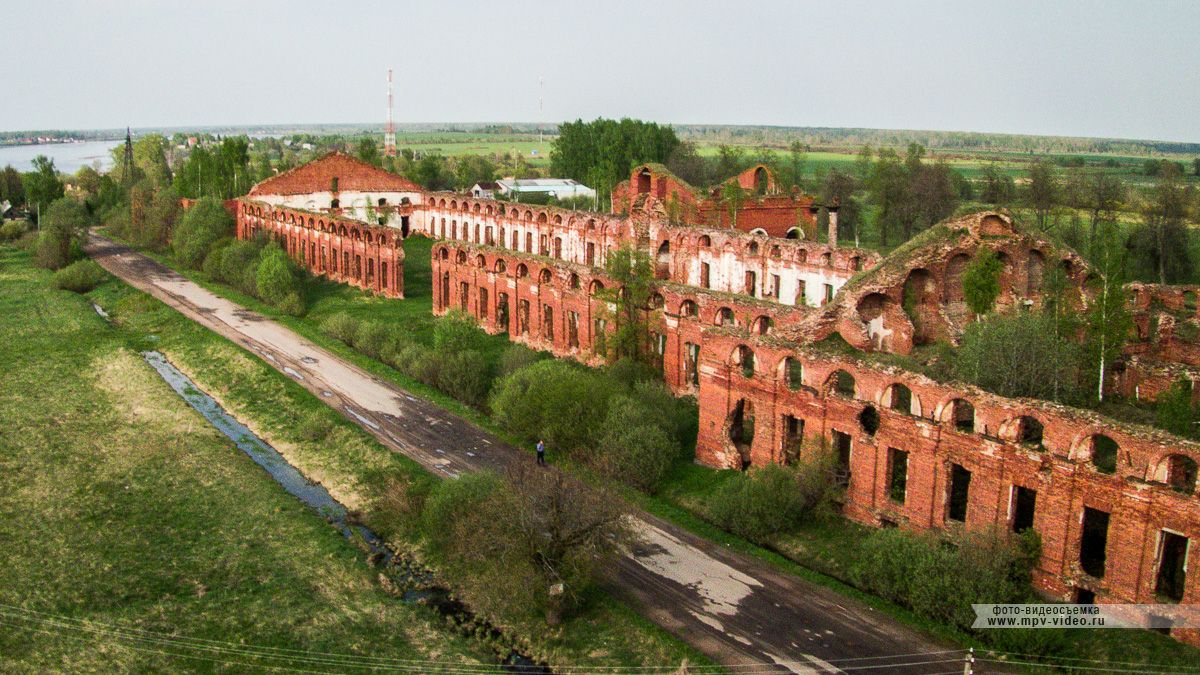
(123, 508)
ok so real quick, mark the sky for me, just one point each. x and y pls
(1094, 68)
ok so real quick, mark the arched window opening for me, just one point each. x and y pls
(574, 281)
(900, 398)
(1104, 453)
(689, 308)
(793, 373)
(657, 301)
(724, 317)
(704, 241)
(842, 384)
(741, 429)
(1181, 474)
(762, 325)
(962, 414)
(744, 357)
(1029, 431)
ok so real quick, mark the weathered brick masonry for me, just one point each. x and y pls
(740, 320)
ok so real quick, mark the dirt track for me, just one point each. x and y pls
(739, 610)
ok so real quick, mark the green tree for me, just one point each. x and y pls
(998, 187)
(635, 447)
(633, 271)
(61, 237)
(42, 185)
(1162, 241)
(150, 156)
(1043, 191)
(1108, 322)
(561, 403)
(368, 151)
(889, 192)
(1018, 354)
(1174, 410)
(201, 226)
(981, 282)
(11, 188)
(277, 281)
(602, 152)
(732, 196)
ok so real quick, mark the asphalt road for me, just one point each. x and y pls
(741, 611)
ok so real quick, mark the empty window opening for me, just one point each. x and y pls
(869, 419)
(751, 283)
(548, 322)
(828, 293)
(1172, 566)
(897, 474)
(704, 275)
(745, 358)
(741, 429)
(1093, 543)
(901, 398)
(1024, 506)
(1104, 454)
(1181, 473)
(573, 330)
(600, 337)
(591, 254)
(725, 317)
(691, 363)
(793, 370)
(483, 303)
(841, 450)
(502, 311)
(960, 492)
(793, 438)
(1029, 431)
(464, 291)
(963, 414)
(843, 384)
(1084, 596)
(762, 325)
(801, 298)
(775, 286)
(523, 317)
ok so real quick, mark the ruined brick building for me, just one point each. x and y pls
(745, 307)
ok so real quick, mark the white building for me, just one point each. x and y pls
(559, 188)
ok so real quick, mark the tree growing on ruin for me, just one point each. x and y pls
(633, 271)
(981, 282)
(733, 196)
(1108, 322)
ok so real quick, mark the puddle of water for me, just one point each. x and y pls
(418, 584)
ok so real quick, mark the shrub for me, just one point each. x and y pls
(212, 262)
(341, 326)
(13, 230)
(939, 581)
(81, 276)
(562, 403)
(457, 332)
(202, 226)
(60, 239)
(634, 449)
(773, 498)
(515, 357)
(238, 264)
(277, 282)
(464, 375)
(371, 338)
(424, 365)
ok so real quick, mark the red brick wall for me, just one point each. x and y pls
(348, 251)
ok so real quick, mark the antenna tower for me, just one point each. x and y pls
(389, 135)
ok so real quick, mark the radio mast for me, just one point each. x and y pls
(389, 135)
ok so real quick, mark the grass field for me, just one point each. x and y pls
(122, 509)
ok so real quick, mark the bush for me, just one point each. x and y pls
(202, 226)
(562, 403)
(464, 375)
(13, 229)
(278, 283)
(457, 332)
(1017, 355)
(61, 238)
(515, 357)
(773, 499)
(81, 276)
(341, 326)
(941, 582)
(238, 264)
(371, 338)
(634, 448)
(212, 262)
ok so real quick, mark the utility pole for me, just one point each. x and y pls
(127, 167)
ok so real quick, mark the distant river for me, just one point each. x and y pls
(68, 157)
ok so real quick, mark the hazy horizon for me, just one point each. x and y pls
(1080, 69)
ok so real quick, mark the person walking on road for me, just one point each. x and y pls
(541, 453)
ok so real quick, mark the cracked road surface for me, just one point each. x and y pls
(739, 610)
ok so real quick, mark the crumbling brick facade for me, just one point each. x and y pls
(370, 257)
